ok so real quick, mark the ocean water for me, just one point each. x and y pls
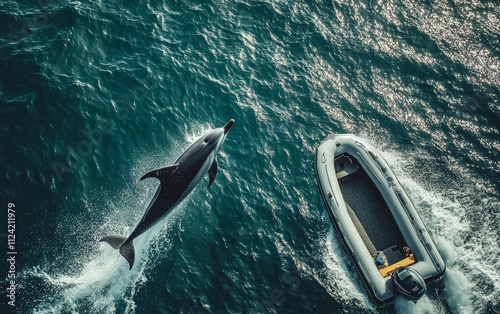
(93, 95)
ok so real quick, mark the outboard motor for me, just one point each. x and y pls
(409, 283)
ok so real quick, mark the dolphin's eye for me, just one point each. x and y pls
(205, 141)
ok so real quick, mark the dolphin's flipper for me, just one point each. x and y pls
(126, 248)
(212, 173)
(162, 174)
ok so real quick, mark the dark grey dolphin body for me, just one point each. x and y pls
(176, 182)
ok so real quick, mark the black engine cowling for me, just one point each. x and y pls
(409, 283)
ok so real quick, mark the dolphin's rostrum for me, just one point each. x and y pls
(176, 182)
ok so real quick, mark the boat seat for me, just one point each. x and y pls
(344, 167)
(387, 271)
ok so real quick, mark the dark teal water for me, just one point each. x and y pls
(95, 95)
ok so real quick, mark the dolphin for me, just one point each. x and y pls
(176, 182)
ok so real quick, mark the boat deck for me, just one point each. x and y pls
(368, 211)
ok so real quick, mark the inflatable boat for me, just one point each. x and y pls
(379, 226)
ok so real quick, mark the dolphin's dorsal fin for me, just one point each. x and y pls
(162, 174)
(212, 173)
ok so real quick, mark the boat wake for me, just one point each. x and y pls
(471, 282)
(339, 284)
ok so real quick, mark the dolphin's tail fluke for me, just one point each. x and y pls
(120, 243)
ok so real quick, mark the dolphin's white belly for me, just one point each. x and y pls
(199, 175)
